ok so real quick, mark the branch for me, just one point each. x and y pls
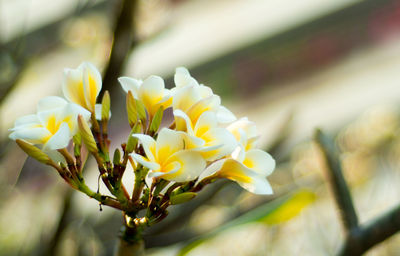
(122, 43)
(377, 231)
(358, 238)
(337, 183)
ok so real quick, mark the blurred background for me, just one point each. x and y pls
(290, 66)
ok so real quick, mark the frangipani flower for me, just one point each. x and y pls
(151, 92)
(245, 132)
(194, 99)
(53, 126)
(82, 85)
(247, 165)
(212, 141)
(167, 157)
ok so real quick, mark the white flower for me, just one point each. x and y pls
(53, 126)
(151, 92)
(82, 85)
(247, 165)
(167, 157)
(212, 141)
(194, 99)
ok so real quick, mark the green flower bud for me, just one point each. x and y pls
(155, 123)
(87, 135)
(105, 107)
(33, 151)
(182, 198)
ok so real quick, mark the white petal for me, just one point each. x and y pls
(60, 139)
(148, 164)
(26, 121)
(207, 120)
(172, 168)
(182, 78)
(180, 114)
(211, 169)
(207, 104)
(130, 84)
(245, 177)
(70, 116)
(185, 97)
(72, 86)
(224, 115)
(205, 91)
(218, 137)
(258, 185)
(92, 83)
(239, 153)
(192, 164)
(243, 124)
(259, 161)
(32, 135)
(50, 103)
(168, 142)
(149, 145)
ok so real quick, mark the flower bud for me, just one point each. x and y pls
(182, 198)
(117, 157)
(132, 141)
(135, 110)
(33, 151)
(155, 123)
(105, 107)
(87, 135)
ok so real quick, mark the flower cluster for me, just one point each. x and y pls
(203, 142)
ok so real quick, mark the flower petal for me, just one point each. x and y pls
(182, 78)
(60, 139)
(70, 116)
(211, 169)
(185, 97)
(245, 177)
(51, 103)
(168, 142)
(25, 121)
(130, 84)
(151, 92)
(247, 127)
(146, 163)
(224, 115)
(170, 169)
(259, 161)
(32, 135)
(207, 104)
(192, 164)
(149, 145)
(218, 137)
(72, 86)
(258, 185)
(181, 117)
(92, 83)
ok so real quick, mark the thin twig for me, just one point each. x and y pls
(337, 182)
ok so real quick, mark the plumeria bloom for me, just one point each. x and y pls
(247, 165)
(82, 85)
(212, 141)
(53, 126)
(151, 92)
(194, 99)
(167, 157)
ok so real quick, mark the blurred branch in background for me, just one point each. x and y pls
(123, 41)
(359, 238)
